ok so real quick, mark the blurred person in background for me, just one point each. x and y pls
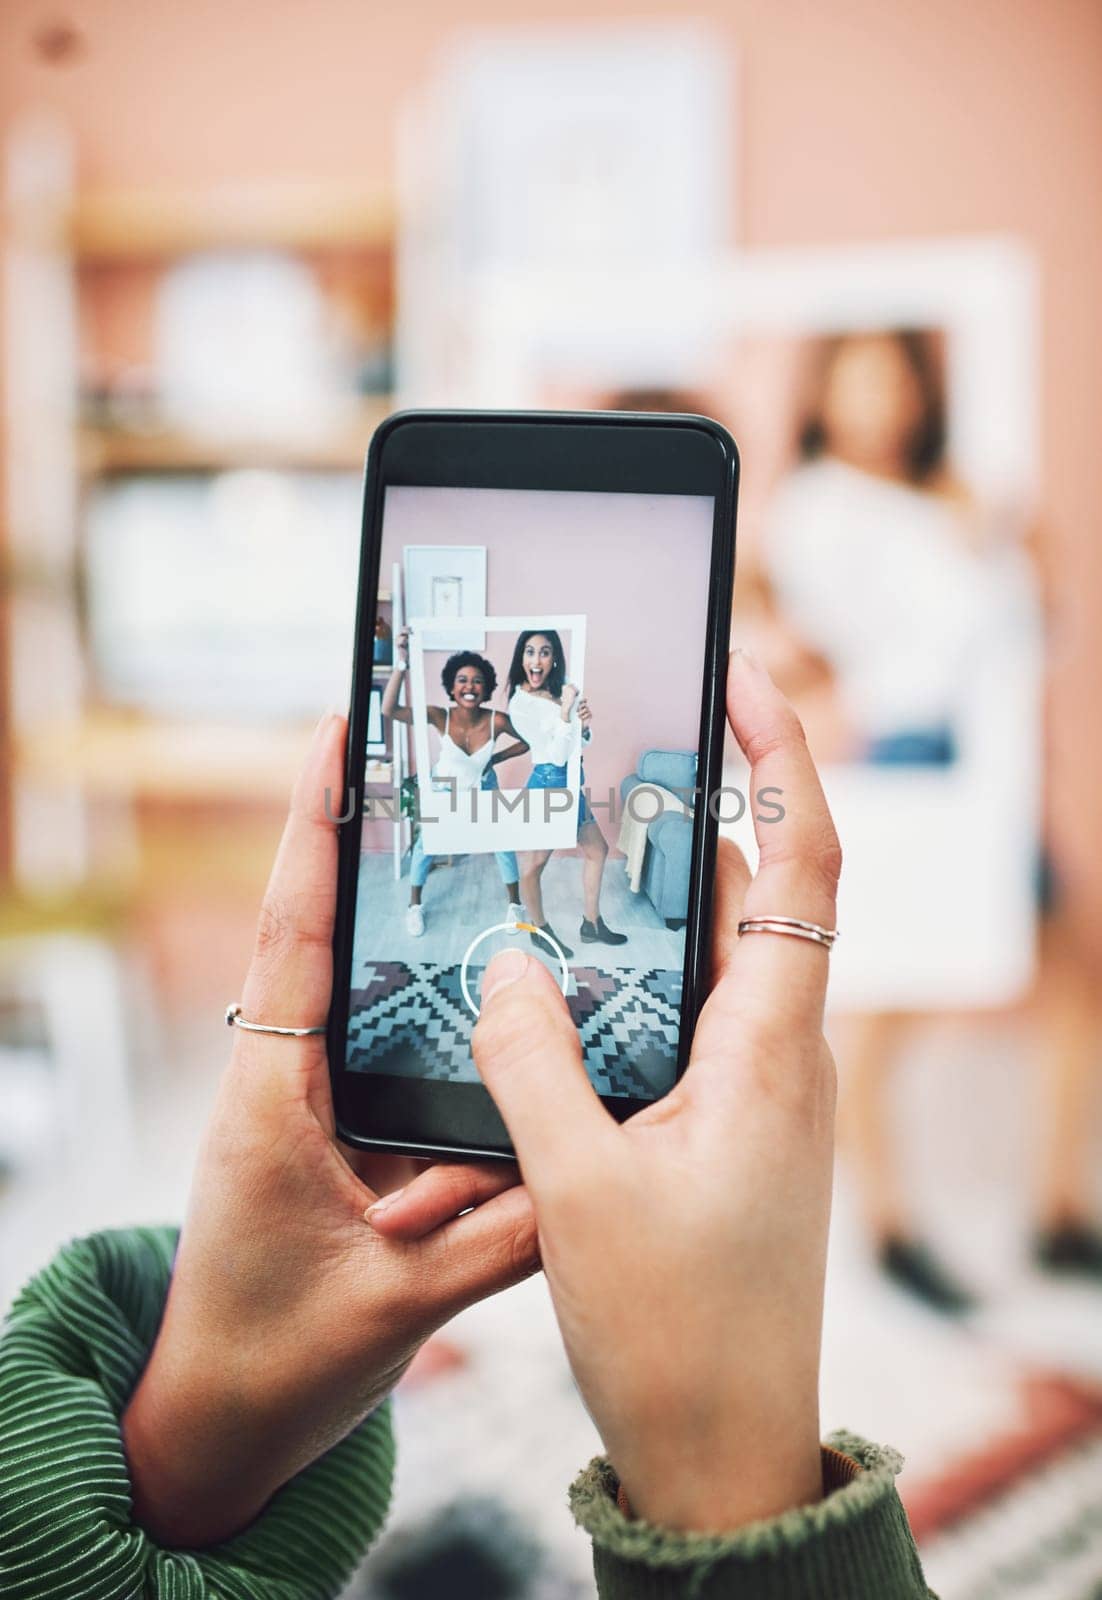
(879, 562)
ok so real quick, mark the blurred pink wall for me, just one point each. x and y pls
(636, 566)
(857, 120)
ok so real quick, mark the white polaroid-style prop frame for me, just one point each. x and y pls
(455, 824)
(937, 904)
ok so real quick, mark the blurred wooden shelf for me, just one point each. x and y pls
(107, 451)
(123, 224)
(112, 754)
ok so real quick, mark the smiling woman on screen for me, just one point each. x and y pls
(468, 732)
(549, 714)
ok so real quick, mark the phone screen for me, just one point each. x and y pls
(531, 776)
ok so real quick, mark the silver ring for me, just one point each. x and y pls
(811, 931)
(234, 1019)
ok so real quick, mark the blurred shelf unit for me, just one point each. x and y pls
(121, 247)
(123, 243)
(114, 754)
(114, 451)
(133, 224)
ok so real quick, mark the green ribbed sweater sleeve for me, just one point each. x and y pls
(71, 1352)
(855, 1544)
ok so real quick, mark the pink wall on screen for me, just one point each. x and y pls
(635, 565)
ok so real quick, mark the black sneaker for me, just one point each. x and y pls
(542, 948)
(912, 1267)
(599, 932)
(1073, 1247)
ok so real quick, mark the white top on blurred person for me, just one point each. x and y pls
(872, 547)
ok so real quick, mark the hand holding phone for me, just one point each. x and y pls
(686, 1250)
(289, 1318)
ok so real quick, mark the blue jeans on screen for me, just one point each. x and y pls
(420, 860)
(546, 775)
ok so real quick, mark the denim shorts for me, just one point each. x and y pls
(545, 775)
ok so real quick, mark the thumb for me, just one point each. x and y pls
(529, 1056)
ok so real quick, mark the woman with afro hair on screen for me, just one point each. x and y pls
(468, 731)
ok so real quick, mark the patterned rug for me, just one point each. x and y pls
(1019, 1517)
(412, 1021)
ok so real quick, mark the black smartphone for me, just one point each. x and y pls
(535, 740)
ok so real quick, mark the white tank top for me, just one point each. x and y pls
(454, 763)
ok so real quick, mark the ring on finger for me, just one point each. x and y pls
(793, 927)
(234, 1019)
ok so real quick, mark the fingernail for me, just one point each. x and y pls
(382, 1205)
(504, 969)
(325, 719)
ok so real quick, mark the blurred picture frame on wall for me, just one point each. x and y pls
(622, 130)
(628, 134)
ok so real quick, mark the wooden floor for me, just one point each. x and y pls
(463, 898)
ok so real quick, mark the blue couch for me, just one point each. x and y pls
(669, 838)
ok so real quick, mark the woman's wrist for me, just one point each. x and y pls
(718, 1480)
(216, 1426)
(200, 1468)
(219, 1422)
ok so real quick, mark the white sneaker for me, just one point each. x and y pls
(415, 922)
(516, 913)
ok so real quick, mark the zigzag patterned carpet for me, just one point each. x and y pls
(412, 1021)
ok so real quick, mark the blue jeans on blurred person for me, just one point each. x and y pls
(935, 746)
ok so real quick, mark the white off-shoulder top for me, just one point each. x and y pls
(539, 722)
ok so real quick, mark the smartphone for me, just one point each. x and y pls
(541, 646)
